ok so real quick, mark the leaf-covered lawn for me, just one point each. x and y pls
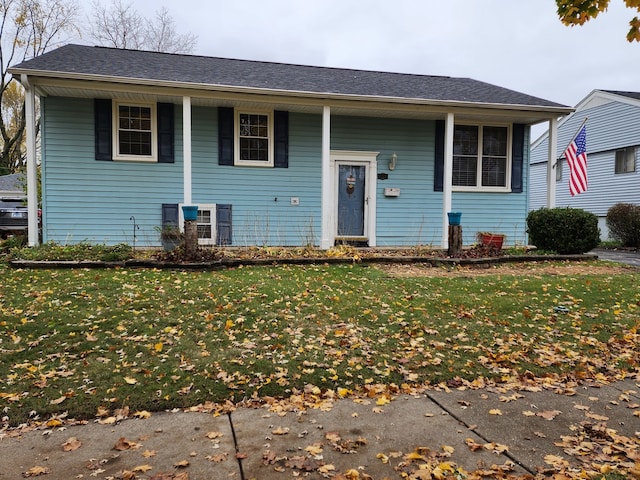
(89, 342)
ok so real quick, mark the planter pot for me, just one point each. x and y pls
(491, 240)
(454, 218)
(190, 212)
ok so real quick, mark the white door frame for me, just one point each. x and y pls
(370, 162)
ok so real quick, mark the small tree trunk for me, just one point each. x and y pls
(190, 237)
(455, 240)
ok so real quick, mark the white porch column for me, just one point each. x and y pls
(551, 163)
(32, 168)
(448, 178)
(186, 148)
(327, 213)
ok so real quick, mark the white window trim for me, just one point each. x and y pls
(236, 139)
(202, 206)
(370, 161)
(116, 133)
(479, 187)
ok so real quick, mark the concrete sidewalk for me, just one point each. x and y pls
(517, 431)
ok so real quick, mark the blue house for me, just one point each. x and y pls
(273, 154)
(613, 146)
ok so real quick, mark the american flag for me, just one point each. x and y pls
(576, 154)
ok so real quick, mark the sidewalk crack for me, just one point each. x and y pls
(236, 446)
(479, 434)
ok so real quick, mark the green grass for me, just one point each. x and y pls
(79, 340)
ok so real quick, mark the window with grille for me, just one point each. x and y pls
(481, 157)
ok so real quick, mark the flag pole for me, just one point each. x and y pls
(571, 141)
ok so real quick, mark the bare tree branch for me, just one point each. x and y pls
(27, 28)
(119, 25)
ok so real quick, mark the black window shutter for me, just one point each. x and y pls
(223, 224)
(517, 158)
(438, 170)
(281, 133)
(102, 115)
(170, 215)
(166, 147)
(225, 136)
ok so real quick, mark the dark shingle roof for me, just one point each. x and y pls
(634, 95)
(163, 67)
(9, 183)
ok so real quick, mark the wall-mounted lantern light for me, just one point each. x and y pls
(393, 161)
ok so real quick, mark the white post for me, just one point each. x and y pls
(186, 148)
(448, 177)
(551, 163)
(326, 241)
(32, 168)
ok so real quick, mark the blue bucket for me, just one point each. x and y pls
(454, 218)
(190, 212)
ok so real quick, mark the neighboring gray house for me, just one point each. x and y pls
(613, 146)
(11, 186)
(272, 153)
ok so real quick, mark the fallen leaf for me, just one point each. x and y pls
(124, 444)
(181, 464)
(219, 458)
(149, 453)
(130, 380)
(280, 431)
(143, 468)
(36, 471)
(58, 401)
(72, 444)
(549, 414)
(495, 411)
(142, 414)
(600, 418)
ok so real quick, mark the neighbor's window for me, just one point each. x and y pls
(254, 139)
(480, 157)
(626, 160)
(559, 170)
(135, 132)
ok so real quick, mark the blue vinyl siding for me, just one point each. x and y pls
(261, 197)
(414, 217)
(85, 199)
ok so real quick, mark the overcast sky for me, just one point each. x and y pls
(518, 44)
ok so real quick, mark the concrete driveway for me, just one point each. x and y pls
(628, 257)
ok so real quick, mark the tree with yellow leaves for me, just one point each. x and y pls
(578, 12)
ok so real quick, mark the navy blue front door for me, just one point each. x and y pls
(351, 198)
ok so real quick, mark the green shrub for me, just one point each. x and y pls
(623, 221)
(563, 230)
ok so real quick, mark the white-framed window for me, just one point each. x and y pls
(254, 138)
(625, 160)
(206, 223)
(481, 157)
(135, 131)
(559, 170)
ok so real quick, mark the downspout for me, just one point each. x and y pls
(551, 162)
(32, 168)
(448, 177)
(327, 213)
(186, 149)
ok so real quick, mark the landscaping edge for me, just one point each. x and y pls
(237, 262)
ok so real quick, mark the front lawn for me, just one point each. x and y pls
(88, 342)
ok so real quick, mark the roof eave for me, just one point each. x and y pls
(543, 110)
